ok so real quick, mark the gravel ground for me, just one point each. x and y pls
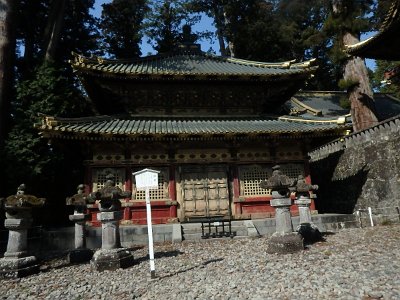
(352, 264)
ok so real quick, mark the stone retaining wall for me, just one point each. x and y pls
(359, 170)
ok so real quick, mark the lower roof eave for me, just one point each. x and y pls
(199, 137)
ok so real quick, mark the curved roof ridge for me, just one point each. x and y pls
(79, 58)
(285, 64)
(338, 120)
(392, 15)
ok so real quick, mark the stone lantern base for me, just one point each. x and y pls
(16, 267)
(112, 259)
(285, 244)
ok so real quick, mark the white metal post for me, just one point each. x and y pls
(370, 216)
(147, 179)
(150, 234)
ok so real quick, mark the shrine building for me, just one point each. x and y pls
(213, 126)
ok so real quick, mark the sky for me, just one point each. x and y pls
(204, 24)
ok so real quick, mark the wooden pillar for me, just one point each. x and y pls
(128, 179)
(236, 189)
(172, 191)
(307, 177)
(88, 179)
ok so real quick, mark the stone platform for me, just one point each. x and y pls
(133, 235)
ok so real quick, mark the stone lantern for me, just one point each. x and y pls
(306, 227)
(17, 262)
(79, 201)
(111, 256)
(284, 240)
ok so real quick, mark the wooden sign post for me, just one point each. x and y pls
(147, 180)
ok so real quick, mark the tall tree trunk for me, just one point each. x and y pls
(219, 24)
(363, 111)
(231, 45)
(53, 29)
(29, 41)
(7, 57)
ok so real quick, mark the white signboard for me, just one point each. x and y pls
(146, 179)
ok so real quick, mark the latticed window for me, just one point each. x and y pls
(250, 178)
(292, 170)
(159, 194)
(99, 177)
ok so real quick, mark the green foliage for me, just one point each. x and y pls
(344, 102)
(347, 85)
(378, 76)
(122, 27)
(30, 159)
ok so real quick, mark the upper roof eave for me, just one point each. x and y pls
(391, 23)
(231, 67)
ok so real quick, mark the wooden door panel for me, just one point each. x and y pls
(205, 191)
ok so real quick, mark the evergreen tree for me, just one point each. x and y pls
(122, 26)
(45, 85)
(345, 23)
(165, 21)
(213, 9)
(7, 50)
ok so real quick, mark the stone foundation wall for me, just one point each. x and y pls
(360, 170)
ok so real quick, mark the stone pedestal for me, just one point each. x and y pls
(283, 219)
(110, 238)
(80, 253)
(303, 204)
(16, 262)
(284, 240)
(111, 256)
(306, 228)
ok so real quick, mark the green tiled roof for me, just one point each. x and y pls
(385, 44)
(189, 64)
(168, 127)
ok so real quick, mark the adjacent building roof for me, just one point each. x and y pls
(327, 104)
(190, 63)
(385, 44)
